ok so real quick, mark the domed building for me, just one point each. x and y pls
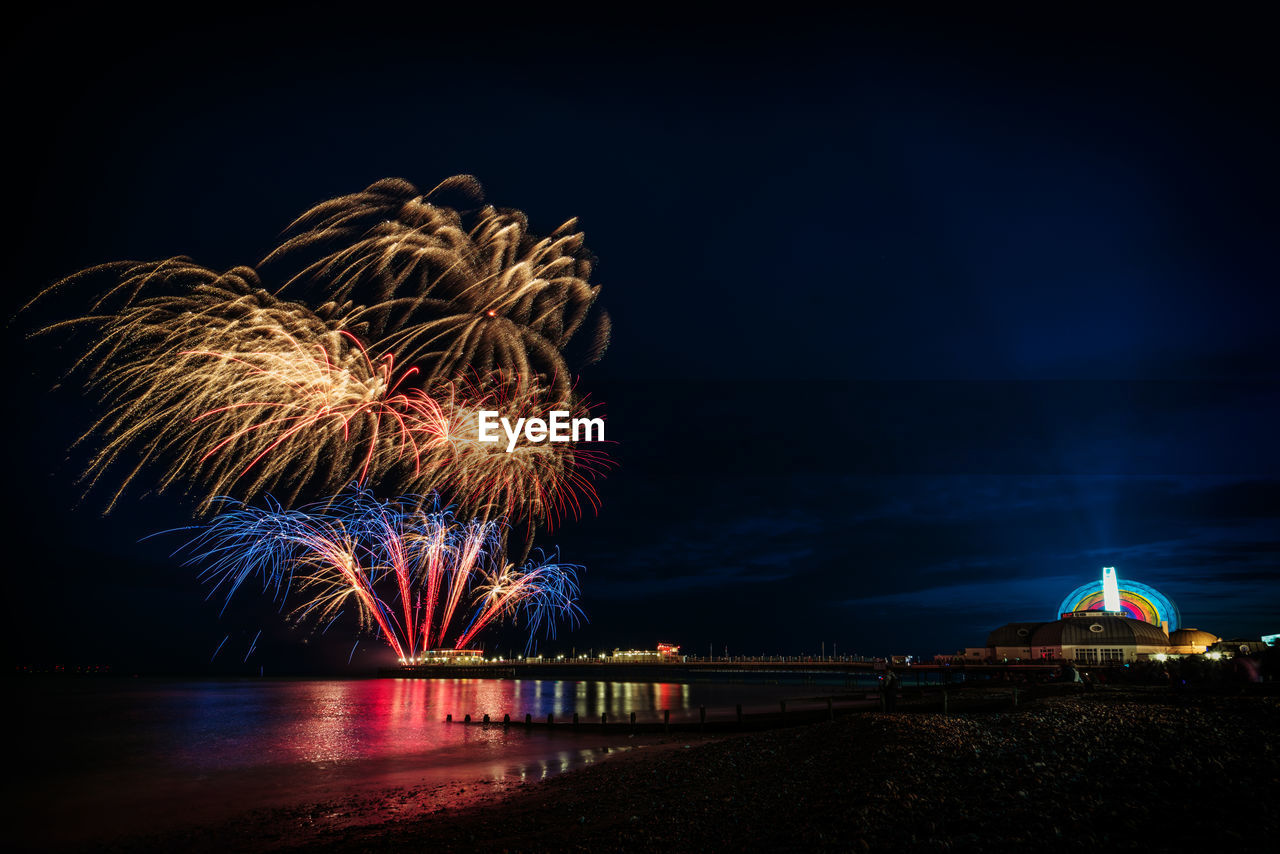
(1110, 621)
(1099, 638)
(1191, 642)
(1087, 637)
(1010, 642)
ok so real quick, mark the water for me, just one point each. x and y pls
(105, 757)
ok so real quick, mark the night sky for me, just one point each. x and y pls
(918, 322)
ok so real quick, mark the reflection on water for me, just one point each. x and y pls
(116, 752)
(321, 722)
(327, 722)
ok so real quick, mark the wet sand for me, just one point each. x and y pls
(1123, 769)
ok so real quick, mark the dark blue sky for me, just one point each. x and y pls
(918, 321)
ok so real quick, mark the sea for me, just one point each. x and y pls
(97, 758)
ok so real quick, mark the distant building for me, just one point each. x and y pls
(1191, 642)
(1012, 642)
(446, 656)
(664, 652)
(1238, 646)
(636, 655)
(1090, 638)
(1109, 621)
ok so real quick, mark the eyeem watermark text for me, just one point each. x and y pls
(560, 428)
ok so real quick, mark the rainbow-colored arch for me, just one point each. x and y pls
(1137, 600)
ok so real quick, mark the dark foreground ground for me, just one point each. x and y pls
(1123, 770)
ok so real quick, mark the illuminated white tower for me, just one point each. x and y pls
(1110, 590)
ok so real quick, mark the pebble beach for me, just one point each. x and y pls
(1124, 769)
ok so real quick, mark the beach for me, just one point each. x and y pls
(1123, 768)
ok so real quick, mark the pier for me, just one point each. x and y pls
(604, 669)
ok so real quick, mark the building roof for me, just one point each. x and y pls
(1013, 634)
(1192, 637)
(1102, 630)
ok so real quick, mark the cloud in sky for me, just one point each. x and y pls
(945, 556)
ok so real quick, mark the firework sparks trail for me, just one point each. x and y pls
(407, 565)
(241, 392)
(237, 392)
(542, 482)
(253, 645)
(426, 317)
(455, 292)
(540, 591)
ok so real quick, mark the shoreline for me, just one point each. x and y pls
(1122, 768)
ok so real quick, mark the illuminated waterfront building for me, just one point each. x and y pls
(1109, 621)
(447, 656)
(668, 652)
(1191, 642)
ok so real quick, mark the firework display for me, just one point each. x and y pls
(393, 324)
(408, 568)
(452, 295)
(535, 481)
(232, 390)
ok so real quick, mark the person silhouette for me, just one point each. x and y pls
(889, 690)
